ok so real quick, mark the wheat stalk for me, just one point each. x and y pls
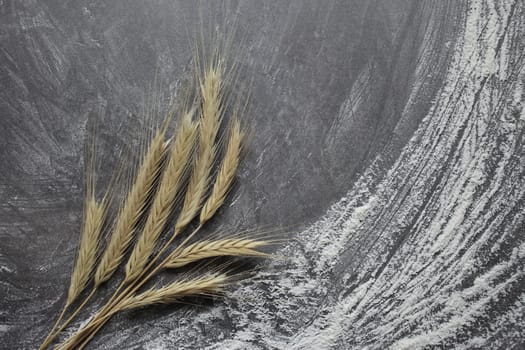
(165, 197)
(210, 284)
(132, 209)
(207, 285)
(209, 249)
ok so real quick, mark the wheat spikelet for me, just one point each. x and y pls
(226, 173)
(94, 214)
(210, 88)
(210, 284)
(132, 209)
(209, 249)
(165, 197)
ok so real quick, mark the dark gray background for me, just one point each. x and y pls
(424, 246)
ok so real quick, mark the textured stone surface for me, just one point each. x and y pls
(389, 134)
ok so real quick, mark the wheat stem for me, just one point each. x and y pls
(68, 321)
(111, 308)
(52, 335)
(204, 285)
(90, 336)
(181, 257)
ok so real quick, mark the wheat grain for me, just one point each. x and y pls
(165, 197)
(132, 209)
(209, 249)
(210, 284)
(226, 173)
(210, 88)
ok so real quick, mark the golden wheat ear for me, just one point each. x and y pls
(133, 207)
(89, 242)
(93, 219)
(226, 173)
(170, 183)
(237, 247)
(207, 285)
(94, 214)
(211, 113)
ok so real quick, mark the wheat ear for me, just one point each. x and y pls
(94, 213)
(205, 285)
(94, 216)
(170, 183)
(226, 173)
(209, 249)
(89, 243)
(132, 209)
(210, 88)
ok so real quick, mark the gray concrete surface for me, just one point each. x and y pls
(388, 135)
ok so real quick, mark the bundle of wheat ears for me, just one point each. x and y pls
(187, 176)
